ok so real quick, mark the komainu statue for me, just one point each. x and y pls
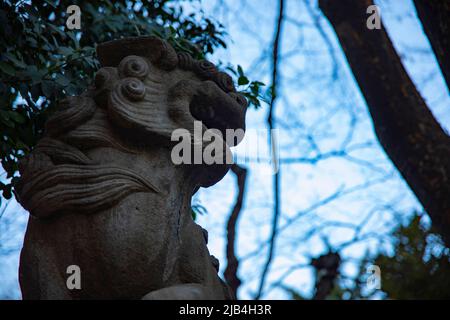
(103, 192)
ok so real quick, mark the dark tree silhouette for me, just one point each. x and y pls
(435, 18)
(404, 125)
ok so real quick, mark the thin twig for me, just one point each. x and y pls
(232, 262)
(273, 144)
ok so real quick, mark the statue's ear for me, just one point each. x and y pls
(158, 51)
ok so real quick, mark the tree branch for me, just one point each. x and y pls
(435, 18)
(326, 270)
(273, 144)
(232, 262)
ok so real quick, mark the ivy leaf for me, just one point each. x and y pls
(62, 80)
(8, 69)
(66, 51)
(240, 71)
(243, 80)
(16, 61)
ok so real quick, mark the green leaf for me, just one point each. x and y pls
(242, 80)
(57, 30)
(240, 71)
(62, 80)
(17, 117)
(8, 69)
(65, 51)
(17, 62)
(4, 115)
(48, 88)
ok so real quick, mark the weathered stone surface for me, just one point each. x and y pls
(103, 192)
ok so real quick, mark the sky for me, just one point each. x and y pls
(311, 103)
(319, 110)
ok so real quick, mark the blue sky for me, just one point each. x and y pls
(332, 111)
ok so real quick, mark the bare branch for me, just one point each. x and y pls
(405, 126)
(435, 18)
(273, 144)
(232, 262)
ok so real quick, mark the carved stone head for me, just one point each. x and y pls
(143, 92)
(149, 91)
(103, 191)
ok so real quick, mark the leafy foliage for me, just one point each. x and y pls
(252, 90)
(419, 267)
(42, 61)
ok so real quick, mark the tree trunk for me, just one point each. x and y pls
(405, 127)
(435, 18)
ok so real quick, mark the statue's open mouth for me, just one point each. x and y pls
(219, 110)
(212, 95)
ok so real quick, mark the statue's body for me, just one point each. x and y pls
(102, 189)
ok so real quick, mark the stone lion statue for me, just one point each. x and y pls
(102, 191)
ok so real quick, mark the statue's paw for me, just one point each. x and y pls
(189, 291)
